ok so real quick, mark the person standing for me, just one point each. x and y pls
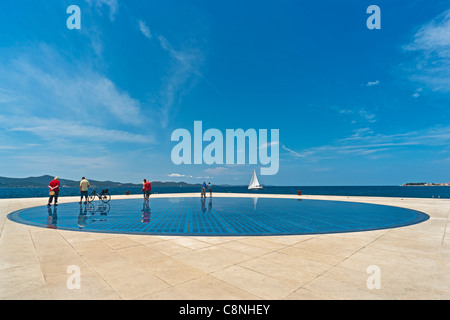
(147, 188)
(203, 195)
(84, 187)
(210, 189)
(54, 191)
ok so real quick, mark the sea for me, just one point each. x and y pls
(442, 192)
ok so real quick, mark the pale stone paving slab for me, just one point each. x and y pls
(414, 261)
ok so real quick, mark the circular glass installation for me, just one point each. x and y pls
(219, 216)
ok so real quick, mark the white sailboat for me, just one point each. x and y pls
(254, 183)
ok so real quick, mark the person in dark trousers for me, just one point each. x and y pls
(84, 187)
(203, 195)
(54, 191)
(147, 189)
(210, 189)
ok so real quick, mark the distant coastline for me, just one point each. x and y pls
(43, 181)
(425, 184)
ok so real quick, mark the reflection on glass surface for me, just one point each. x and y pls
(230, 216)
(52, 218)
(146, 212)
(92, 212)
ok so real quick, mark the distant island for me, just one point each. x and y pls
(425, 184)
(43, 181)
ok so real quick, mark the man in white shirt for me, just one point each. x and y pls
(84, 187)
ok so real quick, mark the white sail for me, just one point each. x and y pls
(254, 183)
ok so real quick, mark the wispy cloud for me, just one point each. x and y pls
(268, 144)
(71, 166)
(217, 171)
(359, 114)
(373, 83)
(112, 6)
(431, 46)
(145, 30)
(364, 142)
(416, 94)
(65, 89)
(49, 102)
(295, 154)
(228, 170)
(182, 74)
(181, 78)
(369, 116)
(53, 129)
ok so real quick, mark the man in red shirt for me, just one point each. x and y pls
(147, 188)
(54, 191)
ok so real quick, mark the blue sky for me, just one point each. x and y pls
(353, 106)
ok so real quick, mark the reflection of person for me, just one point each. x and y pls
(84, 187)
(147, 188)
(82, 217)
(52, 218)
(202, 201)
(146, 212)
(210, 205)
(54, 191)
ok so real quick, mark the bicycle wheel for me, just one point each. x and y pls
(105, 197)
(90, 207)
(91, 197)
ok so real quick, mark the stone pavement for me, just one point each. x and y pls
(411, 262)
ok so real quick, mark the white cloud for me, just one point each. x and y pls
(434, 36)
(359, 134)
(364, 142)
(373, 83)
(43, 80)
(367, 115)
(228, 170)
(431, 45)
(177, 175)
(268, 144)
(144, 29)
(182, 74)
(6, 97)
(417, 93)
(112, 5)
(304, 154)
(219, 171)
(53, 129)
(63, 104)
(181, 77)
(7, 147)
(104, 93)
(358, 115)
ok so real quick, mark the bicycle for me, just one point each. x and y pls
(104, 196)
(102, 208)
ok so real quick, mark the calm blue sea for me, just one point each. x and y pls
(372, 191)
